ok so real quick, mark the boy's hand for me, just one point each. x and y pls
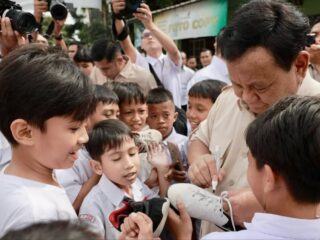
(152, 181)
(118, 5)
(137, 226)
(179, 176)
(157, 156)
(180, 225)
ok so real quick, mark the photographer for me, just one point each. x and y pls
(40, 7)
(165, 68)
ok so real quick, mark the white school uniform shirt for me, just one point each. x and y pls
(24, 202)
(270, 226)
(104, 199)
(72, 179)
(167, 72)
(186, 75)
(5, 151)
(216, 70)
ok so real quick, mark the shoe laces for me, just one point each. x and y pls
(224, 196)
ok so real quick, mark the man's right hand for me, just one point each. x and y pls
(203, 170)
(40, 7)
(118, 5)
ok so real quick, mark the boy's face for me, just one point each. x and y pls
(198, 109)
(86, 67)
(57, 146)
(103, 111)
(134, 115)
(161, 117)
(121, 165)
(255, 178)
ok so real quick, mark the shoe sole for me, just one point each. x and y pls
(165, 211)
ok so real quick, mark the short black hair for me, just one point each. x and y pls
(207, 89)
(105, 95)
(277, 26)
(205, 50)
(83, 55)
(287, 138)
(159, 95)
(106, 135)
(38, 82)
(104, 49)
(62, 229)
(128, 92)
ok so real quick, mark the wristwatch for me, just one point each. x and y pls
(59, 37)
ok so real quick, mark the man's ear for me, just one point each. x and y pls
(96, 166)
(175, 116)
(22, 132)
(301, 64)
(269, 183)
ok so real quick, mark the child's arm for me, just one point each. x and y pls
(158, 158)
(85, 189)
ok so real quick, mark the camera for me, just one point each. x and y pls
(23, 22)
(131, 7)
(311, 39)
(58, 9)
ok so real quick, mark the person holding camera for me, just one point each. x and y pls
(314, 50)
(165, 68)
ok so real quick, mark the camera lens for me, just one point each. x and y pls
(23, 22)
(58, 10)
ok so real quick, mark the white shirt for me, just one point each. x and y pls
(24, 202)
(5, 151)
(167, 71)
(104, 199)
(186, 75)
(217, 70)
(73, 178)
(270, 226)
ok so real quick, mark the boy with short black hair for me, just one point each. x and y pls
(161, 116)
(116, 158)
(201, 97)
(45, 126)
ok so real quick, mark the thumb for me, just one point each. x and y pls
(183, 211)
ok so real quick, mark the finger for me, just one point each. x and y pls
(183, 211)
(200, 178)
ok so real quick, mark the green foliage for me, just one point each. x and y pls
(92, 32)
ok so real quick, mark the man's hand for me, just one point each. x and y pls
(144, 14)
(203, 170)
(9, 39)
(244, 206)
(40, 6)
(118, 5)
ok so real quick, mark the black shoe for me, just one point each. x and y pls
(156, 208)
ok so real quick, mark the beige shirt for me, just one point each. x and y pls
(134, 73)
(225, 126)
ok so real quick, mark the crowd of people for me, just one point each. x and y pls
(92, 139)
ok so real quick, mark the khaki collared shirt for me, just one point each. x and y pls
(226, 125)
(314, 72)
(130, 73)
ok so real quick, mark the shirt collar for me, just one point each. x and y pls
(153, 60)
(115, 194)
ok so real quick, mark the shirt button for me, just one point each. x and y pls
(231, 183)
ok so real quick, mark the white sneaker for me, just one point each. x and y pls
(143, 138)
(201, 204)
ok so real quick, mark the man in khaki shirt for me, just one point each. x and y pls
(111, 65)
(262, 70)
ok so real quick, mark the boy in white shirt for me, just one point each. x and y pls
(161, 117)
(45, 126)
(116, 159)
